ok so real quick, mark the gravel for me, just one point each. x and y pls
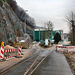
(71, 60)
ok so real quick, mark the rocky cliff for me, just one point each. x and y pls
(10, 25)
(23, 16)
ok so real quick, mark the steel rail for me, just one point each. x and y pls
(9, 69)
(37, 65)
(28, 69)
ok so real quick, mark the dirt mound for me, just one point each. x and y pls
(8, 47)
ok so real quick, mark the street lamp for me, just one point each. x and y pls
(25, 21)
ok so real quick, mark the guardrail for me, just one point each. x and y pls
(8, 53)
(65, 48)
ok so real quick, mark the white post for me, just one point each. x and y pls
(19, 50)
(2, 52)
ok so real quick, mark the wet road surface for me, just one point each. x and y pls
(54, 64)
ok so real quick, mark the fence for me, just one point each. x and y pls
(8, 53)
(65, 48)
(71, 49)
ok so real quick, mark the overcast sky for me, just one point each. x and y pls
(44, 10)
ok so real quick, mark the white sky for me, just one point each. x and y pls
(44, 10)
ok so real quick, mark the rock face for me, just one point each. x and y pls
(23, 16)
(10, 25)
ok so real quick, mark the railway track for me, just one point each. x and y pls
(3, 72)
(27, 66)
(36, 65)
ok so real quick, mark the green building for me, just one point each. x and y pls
(42, 34)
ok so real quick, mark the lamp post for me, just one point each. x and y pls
(25, 21)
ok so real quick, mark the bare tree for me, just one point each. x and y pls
(71, 22)
(49, 25)
(48, 28)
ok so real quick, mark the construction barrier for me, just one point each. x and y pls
(61, 48)
(19, 50)
(2, 52)
(8, 53)
(65, 48)
(71, 49)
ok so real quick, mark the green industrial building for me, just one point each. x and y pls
(42, 34)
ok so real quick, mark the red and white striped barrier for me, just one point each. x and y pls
(61, 48)
(9, 56)
(2, 53)
(11, 52)
(71, 49)
(19, 50)
(65, 48)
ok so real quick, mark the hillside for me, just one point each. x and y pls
(23, 16)
(11, 26)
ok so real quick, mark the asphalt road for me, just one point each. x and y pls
(54, 64)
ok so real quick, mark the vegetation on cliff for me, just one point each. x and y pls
(11, 24)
